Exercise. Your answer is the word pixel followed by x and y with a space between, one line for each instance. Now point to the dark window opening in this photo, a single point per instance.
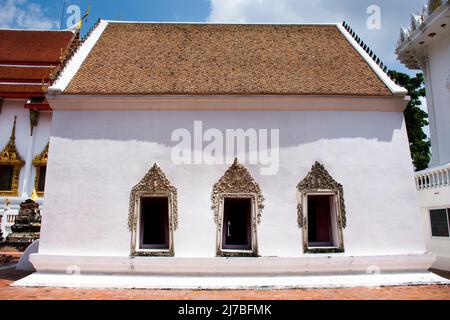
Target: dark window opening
pixel 439 222
pixel 236 233
pixel 319 221
pixel 41 178
pixel 154 233
pixel 6 177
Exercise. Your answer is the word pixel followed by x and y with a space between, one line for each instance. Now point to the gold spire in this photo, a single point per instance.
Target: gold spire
pixel 10 150
pixel 13 131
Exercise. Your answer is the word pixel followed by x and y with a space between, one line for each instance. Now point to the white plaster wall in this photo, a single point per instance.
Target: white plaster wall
pixel 98 156
pixel 439 56
pixel 10 109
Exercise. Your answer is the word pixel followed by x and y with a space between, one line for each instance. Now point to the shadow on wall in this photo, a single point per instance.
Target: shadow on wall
pixel 295 127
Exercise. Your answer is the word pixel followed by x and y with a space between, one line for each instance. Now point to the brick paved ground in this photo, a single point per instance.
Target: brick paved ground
pixel 414 292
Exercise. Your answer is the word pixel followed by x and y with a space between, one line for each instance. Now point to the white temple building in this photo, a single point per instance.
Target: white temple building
pixel 426 46
pixel 228 155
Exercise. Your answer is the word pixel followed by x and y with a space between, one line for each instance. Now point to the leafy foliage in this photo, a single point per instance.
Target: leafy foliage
pixel 434 4
pixel 415 118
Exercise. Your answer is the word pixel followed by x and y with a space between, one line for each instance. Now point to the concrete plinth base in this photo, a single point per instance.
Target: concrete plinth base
pixel 208 282
pixel 314 264
pixel 309 271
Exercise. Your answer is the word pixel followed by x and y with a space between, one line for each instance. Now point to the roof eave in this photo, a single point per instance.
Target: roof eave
pixel 274 102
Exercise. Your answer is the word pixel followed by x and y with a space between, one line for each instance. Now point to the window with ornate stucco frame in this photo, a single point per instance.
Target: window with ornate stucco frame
pixel 40 164
pixel 318 182
pixel 154 184
pixel 10 158
pixel 237 183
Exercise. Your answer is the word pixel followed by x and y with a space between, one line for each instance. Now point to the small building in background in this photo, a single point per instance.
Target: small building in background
pixel 28 59
pixel 425 45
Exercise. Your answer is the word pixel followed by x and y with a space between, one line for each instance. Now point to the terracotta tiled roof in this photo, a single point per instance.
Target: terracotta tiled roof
pixel 211 59
pixel 33 46
pixel 24 73
pixel 35 90
pixel 27 58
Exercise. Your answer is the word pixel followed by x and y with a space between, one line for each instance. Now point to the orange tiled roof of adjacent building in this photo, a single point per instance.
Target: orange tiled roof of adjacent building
pixel 27 58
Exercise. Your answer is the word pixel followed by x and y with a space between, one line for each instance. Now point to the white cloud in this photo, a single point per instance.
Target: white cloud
pixel 253 11
pixel 281 11
pixel 393 14
pixel 24 15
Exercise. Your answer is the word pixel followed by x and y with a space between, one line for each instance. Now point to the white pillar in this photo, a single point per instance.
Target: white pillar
pixel 27 187
pixel 435 159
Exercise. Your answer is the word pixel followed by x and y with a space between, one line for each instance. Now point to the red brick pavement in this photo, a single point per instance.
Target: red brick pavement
pixel 433 292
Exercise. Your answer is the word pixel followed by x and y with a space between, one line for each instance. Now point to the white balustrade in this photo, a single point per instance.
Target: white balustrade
pixel 436 177
pixel 7 219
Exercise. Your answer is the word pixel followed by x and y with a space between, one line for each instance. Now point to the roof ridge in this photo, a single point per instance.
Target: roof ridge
pixel 73 49
pixel 221 23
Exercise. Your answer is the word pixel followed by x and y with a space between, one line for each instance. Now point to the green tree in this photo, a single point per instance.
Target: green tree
pixel 415 118
pixel 434 4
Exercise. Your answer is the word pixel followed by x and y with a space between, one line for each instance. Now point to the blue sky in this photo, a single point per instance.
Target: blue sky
pixel 45 14
pixel 145 10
